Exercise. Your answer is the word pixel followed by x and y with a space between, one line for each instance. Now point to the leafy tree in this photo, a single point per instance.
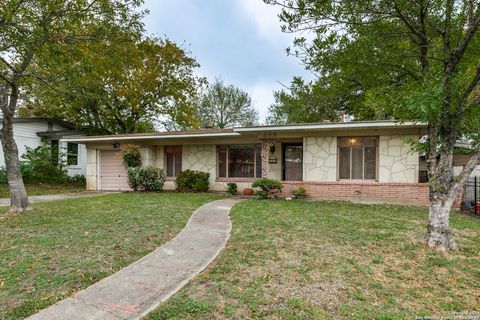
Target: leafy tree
pixel 139 81
pixel 30 32
pixel 303 103
pixel 411 60
pixel 224 106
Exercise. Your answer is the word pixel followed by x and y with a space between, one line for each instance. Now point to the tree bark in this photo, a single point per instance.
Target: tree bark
pixel 18 194
pixel 444 190
pixel 439 234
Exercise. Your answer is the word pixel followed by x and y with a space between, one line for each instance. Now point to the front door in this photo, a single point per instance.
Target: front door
pixel 292 162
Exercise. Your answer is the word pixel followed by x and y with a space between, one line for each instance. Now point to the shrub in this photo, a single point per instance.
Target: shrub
pixel 77 179
pixel 27 171
pixel 232 188
pixel 40 167
pixel 269 188
pixel 299 193
pixel 192 181
pixel 132 156
pixel 133 177
pixel 260 194
pixel 147 178
pixel 151 178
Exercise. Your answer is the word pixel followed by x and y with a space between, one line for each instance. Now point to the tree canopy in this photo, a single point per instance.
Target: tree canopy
pixel 305 102
pixel 120 85
pixel 225 106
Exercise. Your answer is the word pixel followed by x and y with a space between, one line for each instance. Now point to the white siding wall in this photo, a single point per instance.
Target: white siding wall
pixel 80 168
pixel 25 134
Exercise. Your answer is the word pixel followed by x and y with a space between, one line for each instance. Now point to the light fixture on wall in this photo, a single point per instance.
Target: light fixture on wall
pixel 353 141
pixel 115 145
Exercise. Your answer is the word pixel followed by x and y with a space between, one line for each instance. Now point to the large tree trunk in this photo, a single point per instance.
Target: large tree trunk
pixel 444 190
pixel 439 234
pixel 18 194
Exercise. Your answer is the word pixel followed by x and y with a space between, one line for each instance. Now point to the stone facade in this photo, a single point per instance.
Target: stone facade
pixel 397 162
pixel 398 170
pixel 320 158
pixel 201 158
pixel 159 157
pixel 275 169
pixel 148 155
pixel 91 169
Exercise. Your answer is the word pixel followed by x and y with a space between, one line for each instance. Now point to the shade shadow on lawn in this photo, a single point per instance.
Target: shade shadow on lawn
pixel 64 246
pixel 332 260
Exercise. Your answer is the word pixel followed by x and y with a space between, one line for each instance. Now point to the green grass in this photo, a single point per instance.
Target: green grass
pixel 64 246
pixel 36 189
pixel 332 260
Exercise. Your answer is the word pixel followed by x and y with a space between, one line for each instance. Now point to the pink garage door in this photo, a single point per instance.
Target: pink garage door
pixel 113 175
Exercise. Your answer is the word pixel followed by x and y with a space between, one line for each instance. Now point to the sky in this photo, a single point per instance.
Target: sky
pixel 239 41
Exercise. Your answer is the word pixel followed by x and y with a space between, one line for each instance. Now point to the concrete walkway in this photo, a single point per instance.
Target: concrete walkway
pixel 134 291
pixel 52 197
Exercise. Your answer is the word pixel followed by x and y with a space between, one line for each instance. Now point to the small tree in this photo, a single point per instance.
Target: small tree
pixel 226 106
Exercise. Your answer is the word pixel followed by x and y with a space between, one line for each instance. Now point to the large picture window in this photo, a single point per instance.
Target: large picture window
pixel 173 160
pixel 357 158
pixel 239 161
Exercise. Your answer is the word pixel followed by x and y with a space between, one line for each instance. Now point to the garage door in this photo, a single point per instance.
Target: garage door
pixel 113 175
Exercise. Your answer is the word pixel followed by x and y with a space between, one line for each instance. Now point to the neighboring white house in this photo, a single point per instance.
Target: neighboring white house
pixel 35 132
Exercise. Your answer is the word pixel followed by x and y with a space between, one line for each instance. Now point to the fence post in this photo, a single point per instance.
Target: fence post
pixel 475 194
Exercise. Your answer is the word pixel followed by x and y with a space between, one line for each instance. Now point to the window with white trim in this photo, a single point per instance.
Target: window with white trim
pixel 72 154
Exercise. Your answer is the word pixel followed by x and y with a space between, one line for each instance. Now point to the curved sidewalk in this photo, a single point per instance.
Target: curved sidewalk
pixel 137 289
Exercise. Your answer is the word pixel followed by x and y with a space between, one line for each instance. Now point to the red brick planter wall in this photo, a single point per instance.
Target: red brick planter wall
pixel 365 191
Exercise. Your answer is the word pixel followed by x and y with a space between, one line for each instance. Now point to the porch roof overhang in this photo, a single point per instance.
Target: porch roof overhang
pixel 332 126
pixel 291 130
pixel 146 137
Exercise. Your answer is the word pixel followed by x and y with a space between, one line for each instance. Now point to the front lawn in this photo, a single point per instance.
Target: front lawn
pixel 332 260
pixel 64 246
pixel 36 189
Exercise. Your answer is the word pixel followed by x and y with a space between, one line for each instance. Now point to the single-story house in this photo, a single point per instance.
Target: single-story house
pixel 364 161
pixel 35 132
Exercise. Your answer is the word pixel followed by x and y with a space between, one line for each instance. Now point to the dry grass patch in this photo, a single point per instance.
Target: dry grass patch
pixel 332 260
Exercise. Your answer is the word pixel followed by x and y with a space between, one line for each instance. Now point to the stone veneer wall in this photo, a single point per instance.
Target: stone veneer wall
pixel 320 158
pixel 397 162
pixel 201 157
pixel 91 170
pixel 275 169
pixel 148 155
pixel 159 157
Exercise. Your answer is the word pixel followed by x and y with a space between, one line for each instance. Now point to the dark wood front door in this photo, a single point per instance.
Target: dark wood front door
pixel 292 162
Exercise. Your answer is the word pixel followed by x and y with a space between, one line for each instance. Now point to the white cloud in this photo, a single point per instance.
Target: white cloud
pixel 262 97
pixel 265 17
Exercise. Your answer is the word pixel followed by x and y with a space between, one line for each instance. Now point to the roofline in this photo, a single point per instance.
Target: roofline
pixel 326 125
pixel 41 119
pixel 149 137
pixel 239 131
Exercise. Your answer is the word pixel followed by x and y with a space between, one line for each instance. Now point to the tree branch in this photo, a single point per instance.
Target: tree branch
pixel 457 54
pixel 466 172
pixel 468 91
